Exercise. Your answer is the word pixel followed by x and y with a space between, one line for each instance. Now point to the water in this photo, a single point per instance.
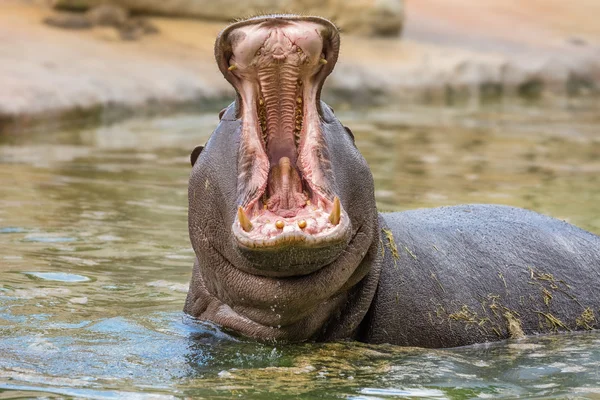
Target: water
pixel 95 261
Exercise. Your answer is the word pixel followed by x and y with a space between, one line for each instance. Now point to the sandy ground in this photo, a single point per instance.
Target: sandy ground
pixel 452 50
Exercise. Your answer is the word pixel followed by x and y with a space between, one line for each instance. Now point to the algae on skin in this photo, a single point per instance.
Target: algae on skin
pixel 494 306
pixel 470 318
pixel 549 285
pixel 410 252
pixel 513 324
pixel 587 319
pixel 547 296
pixel 464 314
pixel 501 276
pixel 391 244
pixel 553 321
pixel 435 278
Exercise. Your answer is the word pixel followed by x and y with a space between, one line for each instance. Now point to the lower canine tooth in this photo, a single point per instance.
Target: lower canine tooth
pixel 334 217
pixel 244 220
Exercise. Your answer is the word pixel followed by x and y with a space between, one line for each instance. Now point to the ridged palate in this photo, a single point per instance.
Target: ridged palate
pixel 279 85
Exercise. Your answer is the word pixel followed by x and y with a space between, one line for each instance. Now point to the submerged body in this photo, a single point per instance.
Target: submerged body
pixel 290 245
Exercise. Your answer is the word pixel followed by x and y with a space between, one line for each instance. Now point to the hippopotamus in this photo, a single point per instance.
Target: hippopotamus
pixel 290 246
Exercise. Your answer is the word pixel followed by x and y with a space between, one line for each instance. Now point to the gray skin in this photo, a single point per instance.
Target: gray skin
pixel 440 277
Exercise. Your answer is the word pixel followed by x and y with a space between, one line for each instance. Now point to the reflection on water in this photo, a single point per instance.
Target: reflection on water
pixel 95 261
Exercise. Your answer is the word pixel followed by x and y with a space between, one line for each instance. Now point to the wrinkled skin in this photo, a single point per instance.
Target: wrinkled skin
pixel 290 246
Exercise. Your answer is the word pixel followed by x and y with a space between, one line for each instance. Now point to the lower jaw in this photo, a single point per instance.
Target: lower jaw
pixel 293 253
pixel 270 232
pixel 226 295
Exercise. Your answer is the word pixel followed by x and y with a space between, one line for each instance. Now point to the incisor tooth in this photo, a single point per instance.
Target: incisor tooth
pixel 232 67
pixel 244 220
pixel 323 61
pixel 334 217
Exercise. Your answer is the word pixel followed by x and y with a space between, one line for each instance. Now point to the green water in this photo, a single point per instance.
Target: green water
pixel 95 260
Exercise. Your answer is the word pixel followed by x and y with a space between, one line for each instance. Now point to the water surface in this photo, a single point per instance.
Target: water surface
pixel 95 260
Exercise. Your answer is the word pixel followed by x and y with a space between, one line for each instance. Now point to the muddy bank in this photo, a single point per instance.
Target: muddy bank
pixel 449 54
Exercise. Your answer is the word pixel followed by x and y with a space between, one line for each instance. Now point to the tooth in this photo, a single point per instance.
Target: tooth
pixel 334 217
pixel 232 67
pixel 302 224
pixel 279 224
pixel 244 221
pixel 323 61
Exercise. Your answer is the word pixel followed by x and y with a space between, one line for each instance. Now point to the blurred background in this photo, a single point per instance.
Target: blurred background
pixel 89 61
pixel 101 104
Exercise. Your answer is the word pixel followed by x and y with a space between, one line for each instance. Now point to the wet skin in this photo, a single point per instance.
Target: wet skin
pixel 290 245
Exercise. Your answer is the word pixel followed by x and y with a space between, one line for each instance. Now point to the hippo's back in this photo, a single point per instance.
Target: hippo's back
pixel 474 273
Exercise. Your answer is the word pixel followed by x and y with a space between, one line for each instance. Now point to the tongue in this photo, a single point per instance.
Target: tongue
pixel 285 189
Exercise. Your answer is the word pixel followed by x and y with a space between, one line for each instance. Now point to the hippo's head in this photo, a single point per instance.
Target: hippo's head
pixel 280 190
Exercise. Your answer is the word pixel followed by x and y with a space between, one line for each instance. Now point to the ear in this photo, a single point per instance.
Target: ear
pixel 349 133
pixel 195 153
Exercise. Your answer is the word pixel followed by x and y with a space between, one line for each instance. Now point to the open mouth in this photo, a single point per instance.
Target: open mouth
pixel 285 180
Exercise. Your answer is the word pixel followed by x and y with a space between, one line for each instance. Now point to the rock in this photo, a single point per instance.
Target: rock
pixel 363 17
pixel 104 15
pixel 107 15
pixel 68 20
